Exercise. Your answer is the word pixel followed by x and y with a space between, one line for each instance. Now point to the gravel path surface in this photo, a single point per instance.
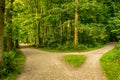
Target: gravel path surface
pixel 42 65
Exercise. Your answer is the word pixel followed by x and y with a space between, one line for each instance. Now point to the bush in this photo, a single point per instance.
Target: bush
pixel 110 63
pixel 117 51
pixel 13 63
pixel 82 47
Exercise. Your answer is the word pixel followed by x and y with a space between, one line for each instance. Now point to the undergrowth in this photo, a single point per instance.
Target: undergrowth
pixel 110 63
pixel 13 64
pixel 79 48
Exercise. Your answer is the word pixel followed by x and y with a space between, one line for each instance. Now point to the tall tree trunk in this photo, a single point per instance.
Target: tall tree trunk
pixel 45 34
pixel 61 32
pixel 16 40
pixel 10 43
pixel 76 24
pixel 17 43
pixel 68 32
pixel 37 25
pixel 2 7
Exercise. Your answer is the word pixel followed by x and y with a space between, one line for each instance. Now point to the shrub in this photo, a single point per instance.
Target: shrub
pixel 13 63
pixel 110 63
pixel 117 51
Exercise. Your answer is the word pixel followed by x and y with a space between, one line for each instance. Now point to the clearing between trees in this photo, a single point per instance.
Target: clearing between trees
pixel 41 65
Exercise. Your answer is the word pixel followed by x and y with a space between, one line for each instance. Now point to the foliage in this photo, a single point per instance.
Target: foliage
pixel 117 51
pixel 50 24
pixel 110 63
pixel 92 34
pixel 13 63
pixel 74 60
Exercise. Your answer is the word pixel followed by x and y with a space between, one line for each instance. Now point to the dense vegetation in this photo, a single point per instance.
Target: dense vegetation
pixel 62 24
pixel 111 63
pixel 13 64
pixel 74 60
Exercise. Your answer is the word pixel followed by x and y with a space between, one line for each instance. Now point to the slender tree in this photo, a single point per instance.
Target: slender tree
pixel 37 24
pixel 2 7
pixel 10 42
pixel 76 24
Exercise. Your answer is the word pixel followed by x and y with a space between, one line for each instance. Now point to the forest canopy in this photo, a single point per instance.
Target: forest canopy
pixel 62 24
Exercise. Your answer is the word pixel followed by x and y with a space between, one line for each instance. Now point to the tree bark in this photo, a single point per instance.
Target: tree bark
pixel 76 24
pixel 37 25
pixel 61 32
pixel 17 43
pixel 16 40
pixel 10 43
pixel 68 32
pixel 2 7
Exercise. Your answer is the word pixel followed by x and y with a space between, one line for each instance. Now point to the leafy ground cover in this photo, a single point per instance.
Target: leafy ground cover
pixel 71 50
pixel 110 63
pixel 13 64
pixel 74 60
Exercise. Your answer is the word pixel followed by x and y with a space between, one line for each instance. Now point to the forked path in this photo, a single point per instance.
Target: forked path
pixel 42 65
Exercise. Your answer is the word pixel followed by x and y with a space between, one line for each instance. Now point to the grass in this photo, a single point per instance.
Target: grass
pixel 64 51
pixel 111 64
pixel 13 64
pixel 74 60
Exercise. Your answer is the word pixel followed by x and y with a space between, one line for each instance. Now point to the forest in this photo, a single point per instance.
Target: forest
pixel 63 25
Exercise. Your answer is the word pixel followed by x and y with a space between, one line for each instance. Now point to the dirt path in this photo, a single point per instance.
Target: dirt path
pixel 42 65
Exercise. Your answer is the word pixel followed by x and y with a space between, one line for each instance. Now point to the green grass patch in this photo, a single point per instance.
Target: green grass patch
pixel 13 64
pixel 70 50
pixel 74 60
pixel 110 63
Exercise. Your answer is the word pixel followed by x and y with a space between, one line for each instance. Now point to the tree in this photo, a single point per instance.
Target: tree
pixel 37 23
pixel 10 43
pixel 64 24
pixel 2 7
pixel 76 24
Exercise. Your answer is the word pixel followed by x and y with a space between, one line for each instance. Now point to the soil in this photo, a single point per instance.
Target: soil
pixel 41 65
